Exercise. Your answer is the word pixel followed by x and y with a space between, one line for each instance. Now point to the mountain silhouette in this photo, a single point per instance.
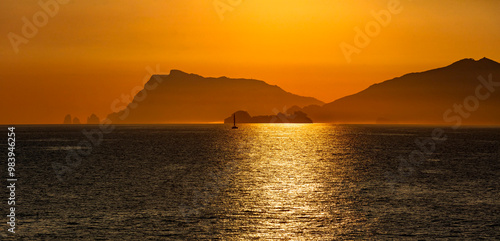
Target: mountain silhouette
pixel 448 95
pixel 465 92
pixel 183 98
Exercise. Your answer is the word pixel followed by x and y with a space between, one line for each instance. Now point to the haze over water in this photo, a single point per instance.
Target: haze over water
pixel 261 181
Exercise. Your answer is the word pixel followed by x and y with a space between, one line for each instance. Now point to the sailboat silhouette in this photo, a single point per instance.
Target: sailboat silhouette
pixel 234 121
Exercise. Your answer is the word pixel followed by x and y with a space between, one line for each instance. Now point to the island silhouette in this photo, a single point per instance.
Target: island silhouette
pixel 461 93
pixel 245 117
pixel 91 120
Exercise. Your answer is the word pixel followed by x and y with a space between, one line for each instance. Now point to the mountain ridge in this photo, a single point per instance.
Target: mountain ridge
pixel 180 97
pixel 444 86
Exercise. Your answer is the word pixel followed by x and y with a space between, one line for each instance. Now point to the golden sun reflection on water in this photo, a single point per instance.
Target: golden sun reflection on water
pixel 290 182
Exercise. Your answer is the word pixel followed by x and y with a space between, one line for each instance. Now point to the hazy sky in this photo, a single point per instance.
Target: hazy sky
pixel 91 52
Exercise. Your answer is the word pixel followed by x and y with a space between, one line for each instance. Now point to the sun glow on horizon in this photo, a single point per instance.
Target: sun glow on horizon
pixel 92 52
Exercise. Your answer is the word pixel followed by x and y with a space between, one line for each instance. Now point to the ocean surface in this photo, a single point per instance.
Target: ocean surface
pixel 264 181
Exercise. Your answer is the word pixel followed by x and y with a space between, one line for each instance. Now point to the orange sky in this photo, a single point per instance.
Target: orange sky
pixel 91 52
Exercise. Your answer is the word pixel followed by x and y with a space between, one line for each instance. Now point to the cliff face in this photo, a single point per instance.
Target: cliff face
pixel 185 98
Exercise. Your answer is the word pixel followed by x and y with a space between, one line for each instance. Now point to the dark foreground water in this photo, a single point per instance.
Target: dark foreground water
pixel 297 182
